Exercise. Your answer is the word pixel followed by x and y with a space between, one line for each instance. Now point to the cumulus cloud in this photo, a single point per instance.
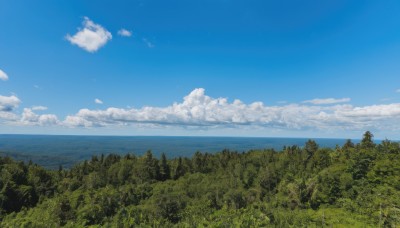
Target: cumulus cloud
pixel 31 118
pixel 148 43
pixel 8 116
pixel 91 37
pixel 98 101
pixel 125 33
pixel 319 101
pixel 200 110
pixel 3 75
pixel 8 104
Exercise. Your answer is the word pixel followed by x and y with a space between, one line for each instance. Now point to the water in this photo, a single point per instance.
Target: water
pixel 51 151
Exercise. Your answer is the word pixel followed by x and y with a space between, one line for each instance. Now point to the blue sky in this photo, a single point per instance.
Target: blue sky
pixel 320 69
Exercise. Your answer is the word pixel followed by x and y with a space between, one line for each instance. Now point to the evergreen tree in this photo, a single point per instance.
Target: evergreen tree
pixel 367 140
pixel 165 172
pixel 310 148
pixel 151 166
pixel 179 171
pixel 348 144
pixel 102 159
pixel 60 171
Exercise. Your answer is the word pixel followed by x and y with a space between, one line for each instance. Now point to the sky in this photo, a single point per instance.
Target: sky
pixel 263 68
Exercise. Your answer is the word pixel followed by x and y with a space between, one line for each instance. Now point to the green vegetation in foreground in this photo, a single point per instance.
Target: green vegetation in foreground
pixel 352 186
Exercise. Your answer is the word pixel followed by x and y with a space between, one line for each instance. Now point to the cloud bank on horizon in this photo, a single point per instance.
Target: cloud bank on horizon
pixel 197 110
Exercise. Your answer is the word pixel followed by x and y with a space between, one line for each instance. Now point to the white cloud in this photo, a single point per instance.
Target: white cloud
pixel 398 91
pixel 148 43
pixel 98 101
pixel 8 116
pixel 200 110
pixel 318 101
pixel 30 118
pixel 91 37
pixel 124 32
pixel 8 104
pixel 3 75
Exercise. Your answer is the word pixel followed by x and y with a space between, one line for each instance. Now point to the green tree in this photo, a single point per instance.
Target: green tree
pixel 348 144
pixel 151 166
pixel 165 172
pixel 310 148
pixel 367 140
pixel 179 171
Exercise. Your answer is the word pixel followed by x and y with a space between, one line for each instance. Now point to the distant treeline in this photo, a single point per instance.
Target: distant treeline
pixel 353 185
pixel 51 162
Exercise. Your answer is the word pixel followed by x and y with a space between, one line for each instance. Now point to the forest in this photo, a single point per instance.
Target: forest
pixel 352 185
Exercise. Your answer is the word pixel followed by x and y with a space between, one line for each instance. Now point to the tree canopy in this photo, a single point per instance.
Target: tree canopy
pixel 354 185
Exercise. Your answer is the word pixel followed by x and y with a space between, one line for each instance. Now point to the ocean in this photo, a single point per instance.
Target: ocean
pixel 54 150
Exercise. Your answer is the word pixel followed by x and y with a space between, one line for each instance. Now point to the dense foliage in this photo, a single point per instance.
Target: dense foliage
pixel 352 185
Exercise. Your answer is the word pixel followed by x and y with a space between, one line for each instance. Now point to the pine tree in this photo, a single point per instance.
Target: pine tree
pixel 310 149
pixel 348 144
pixel 179 171
pixel 152 167
pixel 367 141
pixel 165 172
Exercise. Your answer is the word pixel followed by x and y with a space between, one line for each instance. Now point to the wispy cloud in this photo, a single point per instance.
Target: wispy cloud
pixel 148 43
pixel 398 91
pixel 98 101
pixel 39 108
pixel 125 32
pixel 91 37
pixel 3 75
pixel 386 99
pixel 325 101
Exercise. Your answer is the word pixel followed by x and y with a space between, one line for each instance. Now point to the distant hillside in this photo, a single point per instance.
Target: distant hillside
pixel 50 151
